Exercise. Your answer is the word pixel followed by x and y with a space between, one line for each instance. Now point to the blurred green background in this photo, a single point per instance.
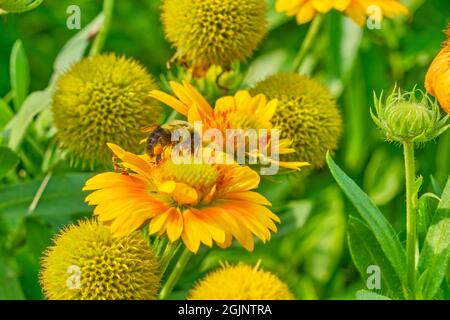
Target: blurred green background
pixel 309 252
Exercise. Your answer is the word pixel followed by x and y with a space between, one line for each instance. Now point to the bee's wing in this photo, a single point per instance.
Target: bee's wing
pixel 175 124
pixel 150 128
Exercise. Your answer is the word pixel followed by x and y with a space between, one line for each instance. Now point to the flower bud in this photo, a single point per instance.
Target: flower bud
pixel 18 6
pixel 409 117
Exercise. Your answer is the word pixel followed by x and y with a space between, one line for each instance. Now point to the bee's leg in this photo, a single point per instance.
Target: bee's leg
pixel 115 162
pixel 118 167
pixel 158 158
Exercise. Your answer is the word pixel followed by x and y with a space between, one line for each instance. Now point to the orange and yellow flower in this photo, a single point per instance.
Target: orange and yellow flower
pixel 305 10
pixel 437 80
pixel 240 111
pixel 201 203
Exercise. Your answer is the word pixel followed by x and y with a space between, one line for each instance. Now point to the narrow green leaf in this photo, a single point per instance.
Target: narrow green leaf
pixel 369 295
pixel 378 224
pixel 33 105
pixel 38 101
pixel 8 160
pixel 434 258
pixel 74 49
pixel 19 72
pixel 366 252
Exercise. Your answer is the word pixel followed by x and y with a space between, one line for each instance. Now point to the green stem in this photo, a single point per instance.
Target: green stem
pixel 307 42
pixel 175 274
pixel 99 42
pixel 411 223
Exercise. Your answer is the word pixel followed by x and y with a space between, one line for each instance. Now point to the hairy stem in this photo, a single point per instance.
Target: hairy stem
pixel 411 205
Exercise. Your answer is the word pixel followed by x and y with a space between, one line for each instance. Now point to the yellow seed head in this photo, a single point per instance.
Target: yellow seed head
pixel 103 99
pixel 240 282
pixel 307 114
pixel 214 32
pixel 87 263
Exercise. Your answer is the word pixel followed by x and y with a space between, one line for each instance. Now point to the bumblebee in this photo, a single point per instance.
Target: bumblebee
pixel 160 137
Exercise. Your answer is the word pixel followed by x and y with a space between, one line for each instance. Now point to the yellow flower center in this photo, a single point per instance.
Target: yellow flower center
pixel 187 184
pixel 241 120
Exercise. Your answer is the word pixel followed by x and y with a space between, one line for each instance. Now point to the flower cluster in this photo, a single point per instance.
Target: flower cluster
pixel 149 203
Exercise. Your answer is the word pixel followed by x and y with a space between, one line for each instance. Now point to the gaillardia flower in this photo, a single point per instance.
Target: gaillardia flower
pixel 409 117
pixel 241 111
pixel 213 32
pixel 17 6
pixel 87 263
pixel 305 10
pixel 201 203
pixel 100 99
pixel 307 115
pixel 240 282
pixel 437 80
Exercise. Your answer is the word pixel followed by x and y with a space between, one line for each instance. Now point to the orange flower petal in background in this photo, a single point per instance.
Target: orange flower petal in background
pixel 437 81
pixel 305 10
pixel 199 203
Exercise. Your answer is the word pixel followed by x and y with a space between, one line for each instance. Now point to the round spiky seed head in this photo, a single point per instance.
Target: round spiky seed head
pixel 17 6
pixel 409 117
pixel 307 114
pixel 214 32
pixel 240 282
pixel 87 263
pixel 103 99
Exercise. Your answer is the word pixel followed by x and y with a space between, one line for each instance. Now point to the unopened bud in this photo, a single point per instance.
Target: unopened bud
pixel 409 117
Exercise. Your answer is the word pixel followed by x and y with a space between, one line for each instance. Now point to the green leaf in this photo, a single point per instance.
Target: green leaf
pixel 38 236
pixel 378 224
pixel 383 177
pixel 8 160
pixel 10 288
pixel 296 216
pixel 18 6
pixel 366 251
pixel 29 275
pixel 39 101
pixel 74 49
pixel 6 114
pixel 20 76
pixel 369 295
pixel 33 105
pixel 434 258
pixel 61 201
pixel 428 203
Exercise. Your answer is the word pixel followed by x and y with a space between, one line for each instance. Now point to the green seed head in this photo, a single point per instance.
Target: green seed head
pixel 307 114
pixel 103 99
pixel 87 263
pixel 409 117
pixel 214 32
